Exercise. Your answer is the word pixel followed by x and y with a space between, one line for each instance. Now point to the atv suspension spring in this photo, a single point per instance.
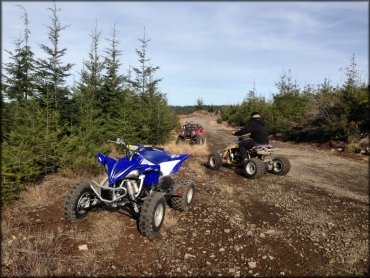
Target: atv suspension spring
pixel 131 193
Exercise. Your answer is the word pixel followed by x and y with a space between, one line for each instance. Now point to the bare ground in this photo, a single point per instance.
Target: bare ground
pixel 312 222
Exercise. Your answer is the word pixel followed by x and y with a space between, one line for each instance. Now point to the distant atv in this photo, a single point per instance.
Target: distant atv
pixel 257 163
pixel 193 132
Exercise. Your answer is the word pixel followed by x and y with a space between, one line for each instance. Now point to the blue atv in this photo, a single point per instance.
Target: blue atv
pixel 140 181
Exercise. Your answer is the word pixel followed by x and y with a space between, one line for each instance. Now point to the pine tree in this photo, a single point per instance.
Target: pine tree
pixel 112 80
pixel 52 72
pixel 354 103
pixel 114 98
pixel 55 109
pixel 90 89
pixel 289 105
pixel 146 89
pixel 20 132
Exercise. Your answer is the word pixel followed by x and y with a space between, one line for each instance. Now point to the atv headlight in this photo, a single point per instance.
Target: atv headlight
pixel 133 174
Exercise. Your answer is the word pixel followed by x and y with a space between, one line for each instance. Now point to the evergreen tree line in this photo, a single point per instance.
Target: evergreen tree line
pixel 315 114
pixel 47 125
pixel 188 109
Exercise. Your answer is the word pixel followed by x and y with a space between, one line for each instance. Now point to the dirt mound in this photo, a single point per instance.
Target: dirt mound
pixel 199 114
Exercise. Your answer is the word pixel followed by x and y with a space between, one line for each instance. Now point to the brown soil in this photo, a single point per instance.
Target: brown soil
pixel 311 222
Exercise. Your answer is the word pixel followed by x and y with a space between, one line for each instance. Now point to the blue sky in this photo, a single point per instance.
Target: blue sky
pixel 216 51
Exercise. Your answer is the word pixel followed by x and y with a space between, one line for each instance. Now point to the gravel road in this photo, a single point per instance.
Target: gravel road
pixel 312 222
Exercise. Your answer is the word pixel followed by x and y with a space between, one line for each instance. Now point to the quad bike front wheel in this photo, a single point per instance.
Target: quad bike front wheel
pixel 152 214
pixel 79 200
pixel 280 165
pixel 253 168
pixel 199 140
pixel 179 140
pixel 183 195
pixel 214 161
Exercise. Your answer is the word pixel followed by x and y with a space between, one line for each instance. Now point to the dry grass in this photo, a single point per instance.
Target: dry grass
pixel 49 191
pixel 32 254
pixel 197 168
pixel 106 227
pixel 196 150
pixel 224 188
pixel 171 219
pixel 38 251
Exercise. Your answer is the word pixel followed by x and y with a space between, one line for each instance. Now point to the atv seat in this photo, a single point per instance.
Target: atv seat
pixel 156 156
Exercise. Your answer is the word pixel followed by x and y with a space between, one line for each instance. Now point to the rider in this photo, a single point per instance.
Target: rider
pixel 258 131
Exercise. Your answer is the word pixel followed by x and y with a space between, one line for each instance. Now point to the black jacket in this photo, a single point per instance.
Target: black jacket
pixel 257 128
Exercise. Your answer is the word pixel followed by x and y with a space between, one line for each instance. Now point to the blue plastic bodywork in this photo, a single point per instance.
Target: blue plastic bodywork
pixel 147 162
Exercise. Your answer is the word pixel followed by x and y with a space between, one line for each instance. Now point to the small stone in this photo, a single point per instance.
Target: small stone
pixel 227 231
pixel 270 232
pixel 83 247
pixel 252 265
pixel 262 235
pixel 178 269
pixel 221 249
pixel 232 270
pixel 113 267
pixel 282 273
pixel 264 257
pixel 187 256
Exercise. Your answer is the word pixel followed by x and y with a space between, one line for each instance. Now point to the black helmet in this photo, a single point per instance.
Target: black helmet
pixel 255 115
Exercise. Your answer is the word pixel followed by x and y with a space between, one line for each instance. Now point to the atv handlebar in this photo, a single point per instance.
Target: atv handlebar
pixel 117 141
pixel 132 148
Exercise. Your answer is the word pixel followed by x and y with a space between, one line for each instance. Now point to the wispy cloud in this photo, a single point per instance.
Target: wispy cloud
pixel 213 50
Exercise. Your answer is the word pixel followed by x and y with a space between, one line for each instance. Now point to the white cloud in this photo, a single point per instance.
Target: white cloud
pixel 215 48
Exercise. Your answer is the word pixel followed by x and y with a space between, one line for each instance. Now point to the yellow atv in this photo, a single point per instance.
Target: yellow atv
pixel 256 164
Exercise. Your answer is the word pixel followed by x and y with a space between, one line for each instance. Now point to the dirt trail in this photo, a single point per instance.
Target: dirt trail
pixel 318 168
pixel 311 222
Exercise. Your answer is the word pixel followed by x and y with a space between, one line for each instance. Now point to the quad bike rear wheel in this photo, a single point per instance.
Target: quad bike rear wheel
pixel 280 165
pixel 152 214
pixel 78 202
pixel 253 168
pixel 214 161
pixel 183 195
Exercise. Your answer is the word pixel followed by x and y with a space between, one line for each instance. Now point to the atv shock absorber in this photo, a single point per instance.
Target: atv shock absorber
pixel 131 193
